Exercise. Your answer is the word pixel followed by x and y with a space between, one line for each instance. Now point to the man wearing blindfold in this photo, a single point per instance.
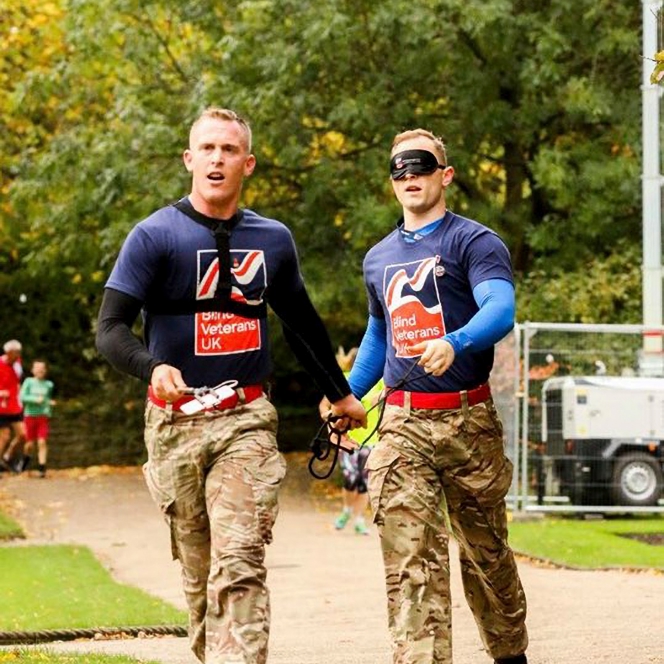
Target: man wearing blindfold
pixel 441 294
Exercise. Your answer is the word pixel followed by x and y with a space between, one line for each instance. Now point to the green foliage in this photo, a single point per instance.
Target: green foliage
pixel 65 587
pixel 32 45
pixel 551 161
pixel 50 314
pixel 602 289
pixel 92 429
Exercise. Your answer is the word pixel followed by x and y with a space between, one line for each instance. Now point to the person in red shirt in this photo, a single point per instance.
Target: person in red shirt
pixel 11 409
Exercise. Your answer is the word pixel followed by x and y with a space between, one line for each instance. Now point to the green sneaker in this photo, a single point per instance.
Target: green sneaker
pixel 341 520
pixel 361 529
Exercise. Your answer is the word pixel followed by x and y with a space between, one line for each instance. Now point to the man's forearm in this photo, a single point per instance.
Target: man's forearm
pixel 307 336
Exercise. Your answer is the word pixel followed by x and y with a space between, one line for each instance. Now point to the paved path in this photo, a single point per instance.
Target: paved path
pixel 327 586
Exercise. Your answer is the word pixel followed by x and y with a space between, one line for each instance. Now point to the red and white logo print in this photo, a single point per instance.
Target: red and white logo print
pixel 221 333
pixel 413 304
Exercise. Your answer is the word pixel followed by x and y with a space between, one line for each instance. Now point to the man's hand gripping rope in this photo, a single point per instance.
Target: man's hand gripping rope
pixel 345 414
pixel 329 439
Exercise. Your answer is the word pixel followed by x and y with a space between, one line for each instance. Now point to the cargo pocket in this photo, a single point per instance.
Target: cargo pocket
pixel 496 492
pixel 159 480
pixel 487 475
pixel 267 475
pixel 380 462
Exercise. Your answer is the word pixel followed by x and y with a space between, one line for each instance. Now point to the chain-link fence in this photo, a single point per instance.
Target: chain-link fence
pixel 583 411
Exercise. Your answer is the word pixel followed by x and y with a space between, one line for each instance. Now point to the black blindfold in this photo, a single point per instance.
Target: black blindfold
pixel 415 162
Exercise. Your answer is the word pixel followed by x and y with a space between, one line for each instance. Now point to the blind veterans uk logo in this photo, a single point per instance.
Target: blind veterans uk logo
pixel 221 333
pixel 413 303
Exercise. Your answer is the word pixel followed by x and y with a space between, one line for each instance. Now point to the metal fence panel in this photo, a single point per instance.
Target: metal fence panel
pixel 505 381
pixel 583 411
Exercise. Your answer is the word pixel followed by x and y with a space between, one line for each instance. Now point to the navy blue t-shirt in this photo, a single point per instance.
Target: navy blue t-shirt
pixel 423 290
pixel 169 256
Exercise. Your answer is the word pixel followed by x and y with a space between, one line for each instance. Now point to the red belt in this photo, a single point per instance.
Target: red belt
pixel 440 400
pixel 242 395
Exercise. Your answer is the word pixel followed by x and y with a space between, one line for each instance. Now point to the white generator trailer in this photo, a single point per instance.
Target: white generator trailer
pixel 605 437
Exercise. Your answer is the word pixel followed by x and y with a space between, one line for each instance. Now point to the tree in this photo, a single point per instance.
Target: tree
pixel 610 292
pixel 31 43
pixel 536 104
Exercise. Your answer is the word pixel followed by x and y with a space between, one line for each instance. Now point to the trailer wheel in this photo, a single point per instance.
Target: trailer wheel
pixel 637 480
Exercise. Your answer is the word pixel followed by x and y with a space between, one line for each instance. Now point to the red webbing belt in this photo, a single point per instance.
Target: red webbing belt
pixel 440 400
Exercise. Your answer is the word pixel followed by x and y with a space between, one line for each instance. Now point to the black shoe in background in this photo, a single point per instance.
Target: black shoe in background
pixel 23 463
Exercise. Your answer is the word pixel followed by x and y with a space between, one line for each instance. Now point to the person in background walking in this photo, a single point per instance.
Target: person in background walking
pixel 37 397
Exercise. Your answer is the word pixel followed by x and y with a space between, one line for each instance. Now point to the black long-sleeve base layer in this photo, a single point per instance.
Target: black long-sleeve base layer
pixel 303 330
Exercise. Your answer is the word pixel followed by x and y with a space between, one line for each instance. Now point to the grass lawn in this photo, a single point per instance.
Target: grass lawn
pixel 636 542
pixel 65 587
pixel 9 529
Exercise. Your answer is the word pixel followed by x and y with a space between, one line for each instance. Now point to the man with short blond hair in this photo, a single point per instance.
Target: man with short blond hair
pixel 203 272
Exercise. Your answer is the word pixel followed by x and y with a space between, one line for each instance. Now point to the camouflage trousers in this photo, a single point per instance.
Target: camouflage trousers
pixel 215 475
pixel 432 471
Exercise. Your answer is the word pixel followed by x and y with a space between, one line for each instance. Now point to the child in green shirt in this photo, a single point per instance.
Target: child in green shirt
pixel 37 398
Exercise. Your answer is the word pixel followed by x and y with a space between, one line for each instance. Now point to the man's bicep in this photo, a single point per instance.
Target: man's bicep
pixel 487 257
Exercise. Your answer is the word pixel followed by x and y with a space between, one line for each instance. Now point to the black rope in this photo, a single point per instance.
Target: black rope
pixel 323 443
pixel 47 635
